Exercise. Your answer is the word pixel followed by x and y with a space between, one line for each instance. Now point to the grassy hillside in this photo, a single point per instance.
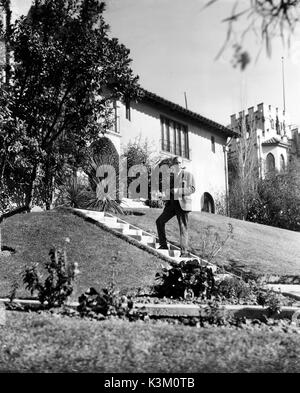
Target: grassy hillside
pixel 97 252
pixel 258 248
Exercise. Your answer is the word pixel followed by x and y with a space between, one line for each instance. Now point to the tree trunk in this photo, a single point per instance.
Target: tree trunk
pixel 30 190
pixel 7 10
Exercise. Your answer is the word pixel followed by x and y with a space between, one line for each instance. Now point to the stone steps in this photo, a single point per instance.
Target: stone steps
pixel 150 242
pixel 131 204
pixel 146 239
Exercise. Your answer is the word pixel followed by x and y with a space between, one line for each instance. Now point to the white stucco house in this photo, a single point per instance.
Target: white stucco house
pixel 170 130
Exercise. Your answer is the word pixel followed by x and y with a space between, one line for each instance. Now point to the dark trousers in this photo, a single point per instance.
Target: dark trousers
pixel 172 209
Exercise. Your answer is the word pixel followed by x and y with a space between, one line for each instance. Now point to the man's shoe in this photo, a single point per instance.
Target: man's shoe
pixel 163 248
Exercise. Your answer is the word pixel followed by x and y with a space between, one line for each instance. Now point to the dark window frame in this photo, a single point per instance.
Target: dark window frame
pixel 213 144
pixel 128 110
pixel 179 132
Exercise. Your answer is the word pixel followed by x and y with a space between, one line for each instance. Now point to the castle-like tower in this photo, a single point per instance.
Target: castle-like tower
pixel 271 132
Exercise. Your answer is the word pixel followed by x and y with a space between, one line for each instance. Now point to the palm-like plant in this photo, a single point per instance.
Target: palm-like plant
pixel 72 194
pixel 96 198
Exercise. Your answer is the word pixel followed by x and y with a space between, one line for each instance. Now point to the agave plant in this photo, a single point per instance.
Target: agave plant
pixel 72 194
pixel 103 201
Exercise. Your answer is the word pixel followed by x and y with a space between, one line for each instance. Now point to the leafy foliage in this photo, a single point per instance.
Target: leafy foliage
pixel 221 204
pixel 267 18
pixel 107 303
pixel 139 152
pixel 58 285
pixel 214 314
pixel 277 202
pixel 72 194
pixel 186 280
pixel 237 289
pixel 269 299
pixel 243 168
pixel 60 102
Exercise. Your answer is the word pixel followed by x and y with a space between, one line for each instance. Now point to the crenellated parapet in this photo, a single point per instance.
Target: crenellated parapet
pixel 270 120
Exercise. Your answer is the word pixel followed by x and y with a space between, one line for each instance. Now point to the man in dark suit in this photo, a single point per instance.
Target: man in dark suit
pixel 182 186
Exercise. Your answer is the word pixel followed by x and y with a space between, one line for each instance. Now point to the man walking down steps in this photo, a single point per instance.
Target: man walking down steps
pixel 179 205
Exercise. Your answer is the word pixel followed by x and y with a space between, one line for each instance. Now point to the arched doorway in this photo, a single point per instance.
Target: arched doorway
pixel 270 163
pixel 207 203
pixel 282 163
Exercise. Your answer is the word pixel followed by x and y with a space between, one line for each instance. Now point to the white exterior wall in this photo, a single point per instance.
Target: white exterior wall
pixel 144 124
pixel 207 167
pixel 277 152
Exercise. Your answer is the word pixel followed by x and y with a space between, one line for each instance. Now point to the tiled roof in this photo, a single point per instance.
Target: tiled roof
pixel 192 115
pixel 273 141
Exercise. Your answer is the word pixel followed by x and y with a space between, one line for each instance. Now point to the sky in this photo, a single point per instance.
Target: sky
pixel 173 46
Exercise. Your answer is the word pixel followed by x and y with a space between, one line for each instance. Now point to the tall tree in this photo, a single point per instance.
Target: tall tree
pixel 277 201
pixel 66 73
pixel 5 7
pixel 243 167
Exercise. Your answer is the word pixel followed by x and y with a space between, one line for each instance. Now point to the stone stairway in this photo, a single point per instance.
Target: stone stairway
pixel 146 239
pixel 128 203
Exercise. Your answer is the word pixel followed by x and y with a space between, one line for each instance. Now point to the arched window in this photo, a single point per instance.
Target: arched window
pixel 270 163
pixel 207 203
pixel 282 163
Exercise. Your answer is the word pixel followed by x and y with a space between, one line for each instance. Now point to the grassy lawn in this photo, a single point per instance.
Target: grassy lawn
pixel 32 342
pixel 257 248
pixel 32 235
pixel 40 343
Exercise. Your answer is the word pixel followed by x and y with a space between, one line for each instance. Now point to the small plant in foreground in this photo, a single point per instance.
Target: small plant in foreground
pixel 189 278
pixel 13 291
pixel 58 285
pixel 236 289
pixel 212 243
pixel 107 303
pixel 270 299
pixel 213 314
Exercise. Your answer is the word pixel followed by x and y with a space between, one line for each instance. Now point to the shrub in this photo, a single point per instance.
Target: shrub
pixel 236 289
pixel 213 314
pixel 105 203
pixel 58 285
pixel 186 280
pixel 270 299
pixel 137 153
pixel 72 194
pixel 156 201
pixel 211 243
pixel 107 303
pixel 278 202
pixel 221 204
